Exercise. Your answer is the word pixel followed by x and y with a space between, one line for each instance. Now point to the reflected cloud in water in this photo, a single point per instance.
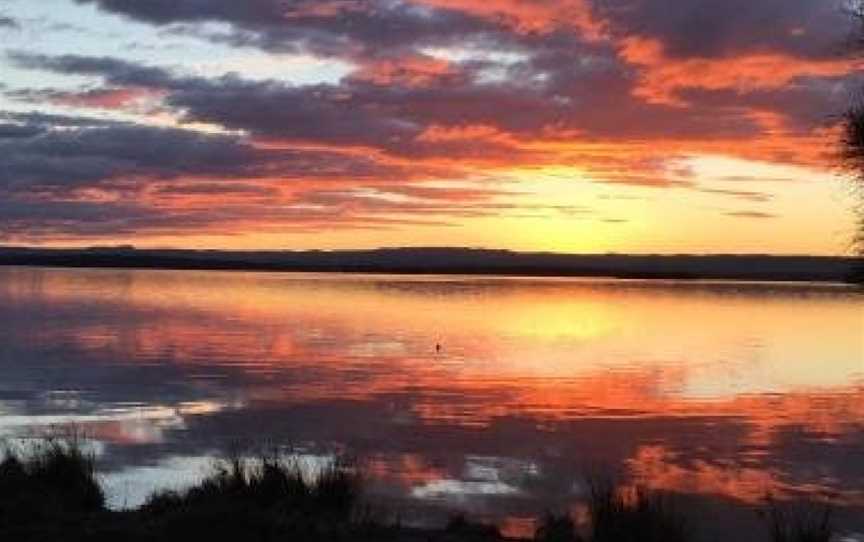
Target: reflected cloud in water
pixel 491 395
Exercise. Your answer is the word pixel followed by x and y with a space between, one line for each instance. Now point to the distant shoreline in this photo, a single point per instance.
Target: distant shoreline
pixel 457 261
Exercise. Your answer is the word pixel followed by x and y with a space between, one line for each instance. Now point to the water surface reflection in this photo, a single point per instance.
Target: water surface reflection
pixel 719 391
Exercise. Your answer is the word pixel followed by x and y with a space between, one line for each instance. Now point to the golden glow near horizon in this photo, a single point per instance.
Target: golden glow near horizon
pixel 805 217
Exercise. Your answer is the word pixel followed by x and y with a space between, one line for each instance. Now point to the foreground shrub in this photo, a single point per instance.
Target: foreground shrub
pixel 460 526
pixel 56 480
pixel 636 515
pixel 555 528
pixel 51 493
pixel 265 499
pixel 799 523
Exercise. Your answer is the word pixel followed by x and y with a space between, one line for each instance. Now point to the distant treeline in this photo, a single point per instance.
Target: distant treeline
pixel 457 261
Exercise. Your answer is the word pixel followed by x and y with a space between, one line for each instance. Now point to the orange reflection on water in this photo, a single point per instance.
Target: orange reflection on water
pixel 654 467
pixel 486 362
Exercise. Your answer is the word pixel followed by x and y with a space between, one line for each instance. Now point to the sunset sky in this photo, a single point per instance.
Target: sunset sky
pixel 661 126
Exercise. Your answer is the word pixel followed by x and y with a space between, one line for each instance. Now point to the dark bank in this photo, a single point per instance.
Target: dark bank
pixel 456 261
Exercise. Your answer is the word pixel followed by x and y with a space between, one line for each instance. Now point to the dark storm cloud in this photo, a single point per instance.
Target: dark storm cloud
pixel 566 83
pixel 87 155
pixel 15 131
pixel 805 103
pixel 45 121
pixel 323 113
pixel 719 28
pixel 327 27
pixel 219 189
pixel 556 88
pixel 393 117
pixel 113 70
pixel 58 154
pixel 8 22
pixel 266 108
pixel 703 28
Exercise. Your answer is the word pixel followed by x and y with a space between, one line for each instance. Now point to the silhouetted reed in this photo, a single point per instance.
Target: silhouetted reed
pixel 556 528
pixel 799 523
pixel 51 488
pixel 466 530
pixel 273 481
pixel 56 470
pixel 52 492
pixel 632 515
pixel 265 498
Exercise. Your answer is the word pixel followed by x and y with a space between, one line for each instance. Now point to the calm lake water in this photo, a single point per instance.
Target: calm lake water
pixel 490 395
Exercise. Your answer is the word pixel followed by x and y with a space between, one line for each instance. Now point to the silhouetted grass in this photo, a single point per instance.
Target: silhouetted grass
pixel 52 493
pixel 618 514
pixel 801 523
pixel 51 488
pixel 264 499
pixel 466 530
pixel 635 515
pixel 556 528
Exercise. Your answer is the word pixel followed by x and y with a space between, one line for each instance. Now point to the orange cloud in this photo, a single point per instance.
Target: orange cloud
pixel 111 98
pixel 661 76
pixel 437 133
pixel 412 70
pixel 534 16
